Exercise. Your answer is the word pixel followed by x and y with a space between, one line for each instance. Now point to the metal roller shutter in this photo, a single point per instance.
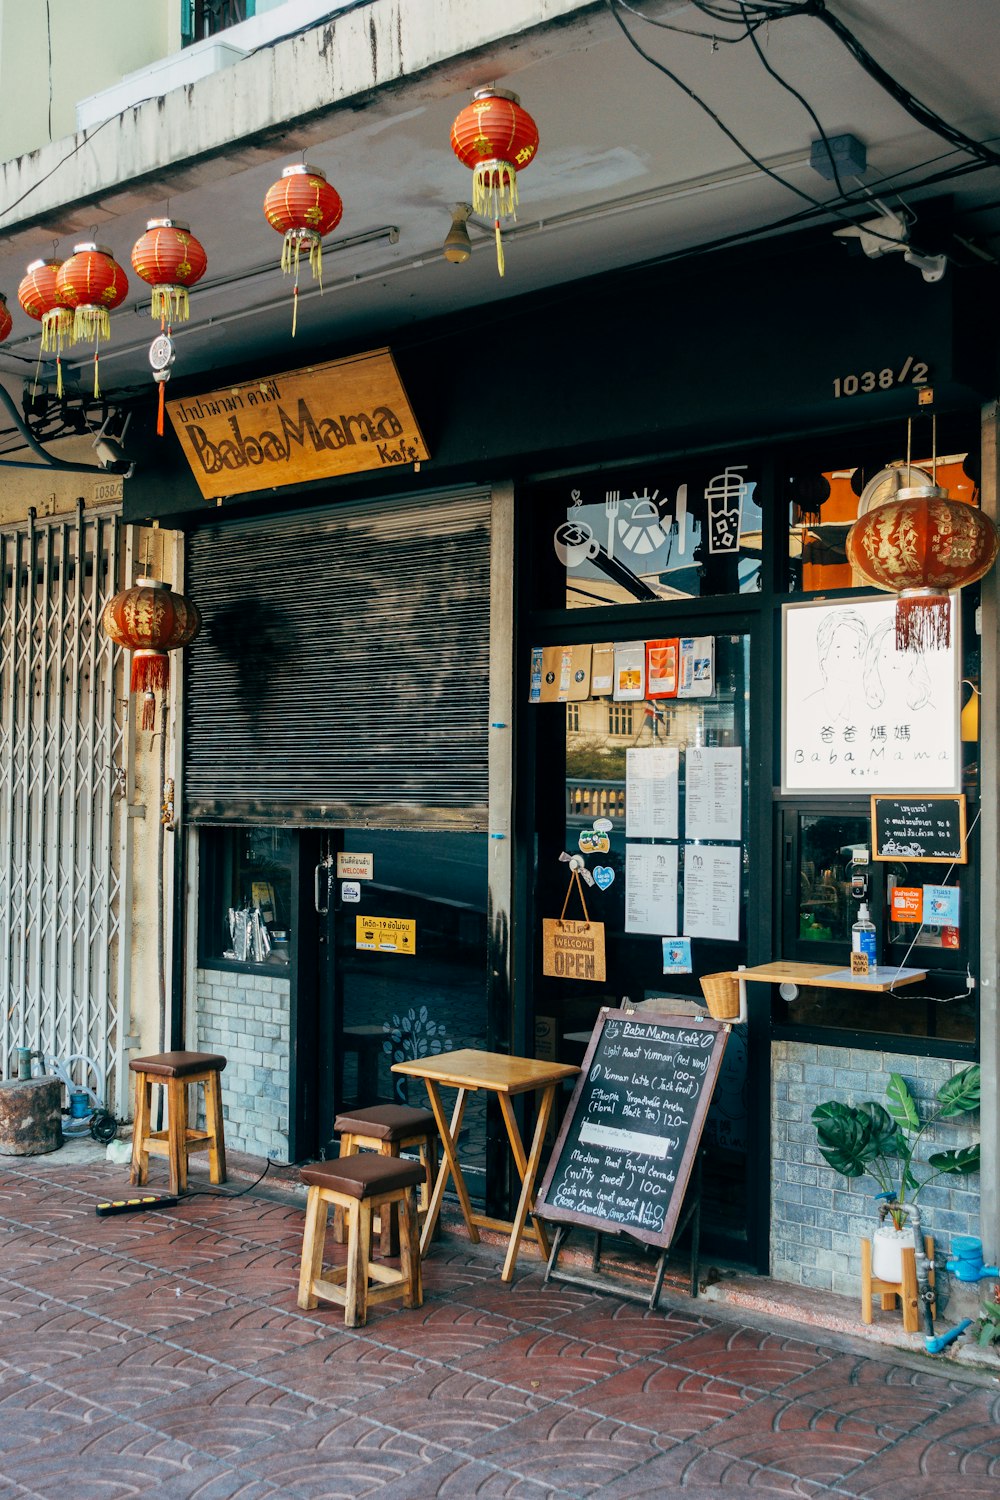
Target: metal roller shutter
pixel 342 673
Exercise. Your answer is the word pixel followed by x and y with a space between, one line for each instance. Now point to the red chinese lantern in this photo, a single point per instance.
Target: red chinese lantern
pixel 496 138
pixel 149 620
pixel 92 283
pixel 303 207
pixel 40 299
pixel 170 259
pixel 6 321
pixel 919 545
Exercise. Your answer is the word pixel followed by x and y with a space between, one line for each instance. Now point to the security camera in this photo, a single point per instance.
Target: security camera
pixel 110 453
pixel 111 456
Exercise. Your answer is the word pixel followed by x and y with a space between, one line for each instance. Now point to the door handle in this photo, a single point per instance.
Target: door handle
pixel 788 865
pixel 321 899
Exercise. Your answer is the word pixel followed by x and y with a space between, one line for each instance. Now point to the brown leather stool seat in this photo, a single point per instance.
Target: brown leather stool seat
pixel 390 1129
pixel 401 1123
pixel 358 1186
pixel 176 1071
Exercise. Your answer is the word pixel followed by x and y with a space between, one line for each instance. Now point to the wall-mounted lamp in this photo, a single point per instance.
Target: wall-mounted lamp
pixel 969 719
pixel 457 245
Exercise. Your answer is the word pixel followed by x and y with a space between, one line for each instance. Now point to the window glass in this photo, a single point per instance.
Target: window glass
pixel 670 531
pixel 246 882
pixel 824 502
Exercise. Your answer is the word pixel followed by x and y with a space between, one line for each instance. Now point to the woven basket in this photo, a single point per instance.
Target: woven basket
pixel 722 995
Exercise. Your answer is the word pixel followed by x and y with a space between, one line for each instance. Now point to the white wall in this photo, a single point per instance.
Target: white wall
pixel 91 44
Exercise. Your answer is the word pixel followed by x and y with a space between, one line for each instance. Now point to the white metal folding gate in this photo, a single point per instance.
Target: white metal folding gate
pixel 61 808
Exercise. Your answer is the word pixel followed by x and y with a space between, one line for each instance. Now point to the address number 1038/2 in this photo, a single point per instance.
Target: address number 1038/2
pixel 911 372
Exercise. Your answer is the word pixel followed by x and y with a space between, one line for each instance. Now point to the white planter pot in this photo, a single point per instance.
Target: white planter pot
pixel 888 1244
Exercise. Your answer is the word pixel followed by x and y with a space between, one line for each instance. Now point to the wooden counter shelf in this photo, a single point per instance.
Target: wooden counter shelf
pixel 830 976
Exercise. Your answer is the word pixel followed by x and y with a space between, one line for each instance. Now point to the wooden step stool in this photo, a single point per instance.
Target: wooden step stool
pixel 360 1186
pixel 390 1129
pixel 174 1071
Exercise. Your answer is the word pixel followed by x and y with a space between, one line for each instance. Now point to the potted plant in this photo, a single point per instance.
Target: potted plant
pixel 882 1140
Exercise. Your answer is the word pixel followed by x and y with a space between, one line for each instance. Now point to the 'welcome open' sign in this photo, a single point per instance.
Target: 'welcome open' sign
pixel 317 423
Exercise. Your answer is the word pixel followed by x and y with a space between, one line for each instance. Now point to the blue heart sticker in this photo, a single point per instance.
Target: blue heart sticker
pixel 603 875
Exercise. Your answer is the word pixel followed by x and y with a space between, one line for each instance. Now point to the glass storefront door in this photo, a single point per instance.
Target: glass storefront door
pixel 404 971
pixel 656 800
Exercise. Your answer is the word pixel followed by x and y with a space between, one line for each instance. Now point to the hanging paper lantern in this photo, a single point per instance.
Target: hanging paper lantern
pixel 303 207
pixel 919 545
pixel 92 283
pixel 170 259
pixel 496 138
pixel 6 321
pixel 149 620
pixel 40 299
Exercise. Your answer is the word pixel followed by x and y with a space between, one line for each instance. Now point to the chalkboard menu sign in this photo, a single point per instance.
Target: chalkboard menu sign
pixel 921 830
pixel 630 1135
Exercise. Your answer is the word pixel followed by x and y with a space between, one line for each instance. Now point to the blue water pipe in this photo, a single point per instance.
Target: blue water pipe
pixel 966 1259
pixel 935 1345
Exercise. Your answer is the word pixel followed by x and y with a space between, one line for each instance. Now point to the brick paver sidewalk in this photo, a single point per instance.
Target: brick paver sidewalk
pixel 163 1354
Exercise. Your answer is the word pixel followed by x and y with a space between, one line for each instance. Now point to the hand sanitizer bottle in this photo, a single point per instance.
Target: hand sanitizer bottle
pixel 863 936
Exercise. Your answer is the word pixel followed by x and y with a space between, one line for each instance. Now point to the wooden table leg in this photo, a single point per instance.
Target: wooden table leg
pixel 449 1165
pixel 528 1170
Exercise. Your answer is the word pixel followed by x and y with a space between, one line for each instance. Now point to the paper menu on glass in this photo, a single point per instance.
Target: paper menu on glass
pixel 630 671
pixel 651 889
pixel 602 671
pixel 712 887
pixel 696 666
pixel 713 785
pixel 651 785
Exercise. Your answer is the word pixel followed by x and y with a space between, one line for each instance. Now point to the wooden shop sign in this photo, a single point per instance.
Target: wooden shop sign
pixel 343 417
pixel 573 950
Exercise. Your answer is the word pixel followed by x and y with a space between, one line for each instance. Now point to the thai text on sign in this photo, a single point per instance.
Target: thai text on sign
pixel 386 934
pixel 343 417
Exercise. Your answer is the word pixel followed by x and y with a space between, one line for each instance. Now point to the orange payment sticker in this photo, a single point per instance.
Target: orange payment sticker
pixel 908 903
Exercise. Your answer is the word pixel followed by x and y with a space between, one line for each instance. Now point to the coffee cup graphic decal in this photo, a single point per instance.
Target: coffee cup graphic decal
pixel 575 542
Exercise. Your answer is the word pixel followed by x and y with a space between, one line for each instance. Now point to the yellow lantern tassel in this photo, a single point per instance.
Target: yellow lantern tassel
pixel 97 383
pixel 499 247
pixel 316 262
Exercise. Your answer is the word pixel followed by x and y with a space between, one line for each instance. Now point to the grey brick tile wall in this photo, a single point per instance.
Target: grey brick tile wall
pixel 246 1018
pixel 818 1218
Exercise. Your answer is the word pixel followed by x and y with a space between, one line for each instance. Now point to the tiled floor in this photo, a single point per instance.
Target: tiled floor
pixel 163 1354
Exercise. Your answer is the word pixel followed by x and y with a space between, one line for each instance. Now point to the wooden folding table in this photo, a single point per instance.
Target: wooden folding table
pixel 468 1071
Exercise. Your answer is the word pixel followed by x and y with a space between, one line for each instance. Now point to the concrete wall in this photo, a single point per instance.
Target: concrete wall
pixel 818 1218
pixel 91 44
pixel 246 1018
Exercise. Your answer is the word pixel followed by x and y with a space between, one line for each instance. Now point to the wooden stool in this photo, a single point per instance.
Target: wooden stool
pixel 359 1187
pixel 390 1129
pixel 906 1290
pixel 174 1071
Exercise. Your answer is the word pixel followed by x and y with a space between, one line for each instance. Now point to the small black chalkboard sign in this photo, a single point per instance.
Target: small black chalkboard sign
pixel 629 1138
pixel 919 830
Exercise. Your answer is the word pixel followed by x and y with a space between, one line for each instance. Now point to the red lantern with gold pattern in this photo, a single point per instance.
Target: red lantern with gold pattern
pixel 170 259
pixel 40 299
pixel 496 138
pixel 919 545
pixel 6 321
pixel 303 207
pixel 92 283
pixel 149 620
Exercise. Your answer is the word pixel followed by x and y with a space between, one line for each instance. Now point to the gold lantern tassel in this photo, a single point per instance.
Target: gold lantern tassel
pixel 499 248
pixel 88 320
pixel 97 361
pixel 316 261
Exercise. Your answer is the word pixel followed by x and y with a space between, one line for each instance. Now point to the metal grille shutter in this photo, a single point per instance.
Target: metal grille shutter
pixel 342 674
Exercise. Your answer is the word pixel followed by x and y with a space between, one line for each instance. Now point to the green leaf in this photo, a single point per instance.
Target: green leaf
pixel 884 1136
pixel 965 1160
pixel 901 1105
pixel 960 1094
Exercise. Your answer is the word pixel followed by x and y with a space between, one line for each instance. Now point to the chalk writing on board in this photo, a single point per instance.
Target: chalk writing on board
pixel 628 1141
pixel 925 829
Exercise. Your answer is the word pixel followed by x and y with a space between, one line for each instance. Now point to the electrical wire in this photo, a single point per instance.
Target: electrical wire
pixel 920 112
pixel 816 203
pixel 751 35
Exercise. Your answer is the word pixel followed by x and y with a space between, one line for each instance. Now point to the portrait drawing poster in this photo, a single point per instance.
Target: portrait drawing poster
pixel 858 715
